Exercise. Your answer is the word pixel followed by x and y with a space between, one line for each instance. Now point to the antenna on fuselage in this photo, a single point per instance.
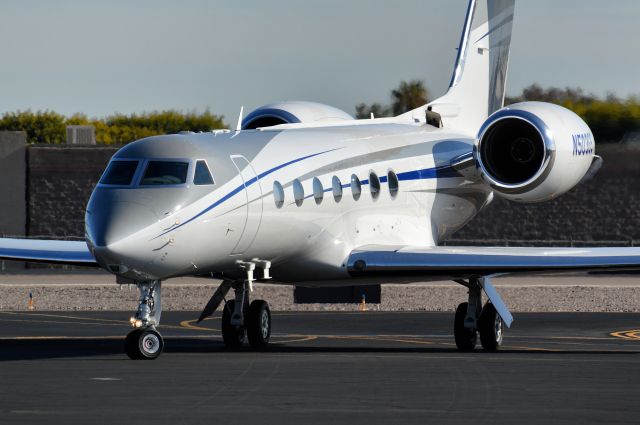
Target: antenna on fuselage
pixel 239 125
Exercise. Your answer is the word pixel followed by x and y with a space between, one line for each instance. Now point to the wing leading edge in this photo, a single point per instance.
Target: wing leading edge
pixel 47 251
pixel 463 262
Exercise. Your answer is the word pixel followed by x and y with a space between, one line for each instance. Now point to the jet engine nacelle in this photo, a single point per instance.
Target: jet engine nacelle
pixel 533 151
pixel 292 112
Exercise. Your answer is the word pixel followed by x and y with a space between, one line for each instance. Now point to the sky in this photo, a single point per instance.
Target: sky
pixel 102 57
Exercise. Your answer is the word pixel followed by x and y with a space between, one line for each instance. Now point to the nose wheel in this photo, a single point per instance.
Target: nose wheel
pixel 143 344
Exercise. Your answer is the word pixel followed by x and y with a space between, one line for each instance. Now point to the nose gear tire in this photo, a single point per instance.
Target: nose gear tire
pixel 143 344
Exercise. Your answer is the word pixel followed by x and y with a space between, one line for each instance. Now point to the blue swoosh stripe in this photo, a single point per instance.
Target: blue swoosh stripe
pixel 243 186
pixel 426 173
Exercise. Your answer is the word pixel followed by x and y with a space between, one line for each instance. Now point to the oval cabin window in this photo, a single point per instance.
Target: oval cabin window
pixel 336 186
pixel 318 190
pixel 393 184
pixel 298 192
pixel 374 185
pixel 356 187
pixel 278 194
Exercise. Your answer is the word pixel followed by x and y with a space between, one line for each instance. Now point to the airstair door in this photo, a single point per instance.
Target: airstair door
pixel 253 206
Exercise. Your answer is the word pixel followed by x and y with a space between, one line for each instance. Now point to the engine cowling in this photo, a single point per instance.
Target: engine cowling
pixel 292 112
pixel 533 151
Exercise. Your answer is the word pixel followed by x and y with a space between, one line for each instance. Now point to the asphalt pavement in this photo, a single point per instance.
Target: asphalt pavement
pixel 323 367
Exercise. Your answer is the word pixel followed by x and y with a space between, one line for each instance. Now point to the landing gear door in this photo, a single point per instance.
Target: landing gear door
pixel 253 206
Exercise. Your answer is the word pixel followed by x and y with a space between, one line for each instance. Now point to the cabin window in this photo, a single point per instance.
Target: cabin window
pixel 336 185
pixel 160 173
pixel 120 173
pixel 356 187
pixel 393 184
pixel 374 185
pixel 202 175
pixel 318 190
pixel 278 194
pixel 298 192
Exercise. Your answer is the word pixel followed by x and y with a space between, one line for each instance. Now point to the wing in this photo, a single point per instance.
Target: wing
pixel 47 251
pixel 465 262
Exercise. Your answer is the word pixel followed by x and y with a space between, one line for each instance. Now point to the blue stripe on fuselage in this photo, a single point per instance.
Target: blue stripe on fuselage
pixel 243 186
pixel 427 173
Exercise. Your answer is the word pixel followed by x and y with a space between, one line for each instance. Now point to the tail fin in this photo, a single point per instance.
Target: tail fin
pixel 479 77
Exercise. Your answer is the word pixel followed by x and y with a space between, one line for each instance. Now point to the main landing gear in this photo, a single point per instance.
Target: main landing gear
pixel 472 319
pixel 145 342
pixel 242 320
pixel 255 322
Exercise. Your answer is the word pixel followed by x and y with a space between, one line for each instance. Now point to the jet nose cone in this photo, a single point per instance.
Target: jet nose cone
pixel 109 222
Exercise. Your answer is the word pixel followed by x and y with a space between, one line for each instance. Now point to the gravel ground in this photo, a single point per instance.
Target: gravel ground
pixel 62 291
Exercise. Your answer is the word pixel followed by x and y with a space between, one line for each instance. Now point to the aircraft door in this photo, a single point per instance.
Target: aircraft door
pixel 253 207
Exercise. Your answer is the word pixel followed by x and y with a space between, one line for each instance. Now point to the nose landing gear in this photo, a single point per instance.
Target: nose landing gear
pixel 145 342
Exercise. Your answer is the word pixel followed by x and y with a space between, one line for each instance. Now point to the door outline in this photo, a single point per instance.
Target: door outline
pixel 253 205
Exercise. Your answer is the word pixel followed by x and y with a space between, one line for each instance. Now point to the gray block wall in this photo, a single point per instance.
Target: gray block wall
pixel 61 178
pixel 605 210
pixel 13 175
pixel 602 211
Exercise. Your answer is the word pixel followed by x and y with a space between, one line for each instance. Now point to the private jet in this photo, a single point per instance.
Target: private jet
pixel 302 193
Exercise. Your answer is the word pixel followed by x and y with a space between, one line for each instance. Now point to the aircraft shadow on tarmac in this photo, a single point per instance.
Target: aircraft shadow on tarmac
pixel 13 350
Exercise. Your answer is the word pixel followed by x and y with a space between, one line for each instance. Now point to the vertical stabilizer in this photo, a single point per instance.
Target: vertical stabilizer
pixel 479 77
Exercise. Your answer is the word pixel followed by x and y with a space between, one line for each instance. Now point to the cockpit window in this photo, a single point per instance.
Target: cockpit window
pixel 165 173
pixel 119 173
pixel 202 175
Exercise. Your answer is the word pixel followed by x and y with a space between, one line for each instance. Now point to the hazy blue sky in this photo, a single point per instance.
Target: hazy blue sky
pixel 99 57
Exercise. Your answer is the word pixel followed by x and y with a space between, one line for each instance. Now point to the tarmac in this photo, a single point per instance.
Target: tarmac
pixel 322 367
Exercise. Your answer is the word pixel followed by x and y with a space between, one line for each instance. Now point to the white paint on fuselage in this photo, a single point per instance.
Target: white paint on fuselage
pixel 312 241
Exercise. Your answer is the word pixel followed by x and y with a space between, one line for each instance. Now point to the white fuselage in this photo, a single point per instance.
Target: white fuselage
pixel 243 217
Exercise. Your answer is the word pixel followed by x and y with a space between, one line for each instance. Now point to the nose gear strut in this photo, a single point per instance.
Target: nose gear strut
pixel 145 342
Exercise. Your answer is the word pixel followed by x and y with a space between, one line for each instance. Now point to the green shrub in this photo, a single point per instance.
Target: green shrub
pixel 50 127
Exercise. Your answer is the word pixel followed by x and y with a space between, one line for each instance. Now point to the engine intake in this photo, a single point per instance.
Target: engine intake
pixel 526 152
pixel 512 150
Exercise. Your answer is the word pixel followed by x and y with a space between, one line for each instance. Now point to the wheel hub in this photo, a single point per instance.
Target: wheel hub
pixel 265 325
pixel 150 343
